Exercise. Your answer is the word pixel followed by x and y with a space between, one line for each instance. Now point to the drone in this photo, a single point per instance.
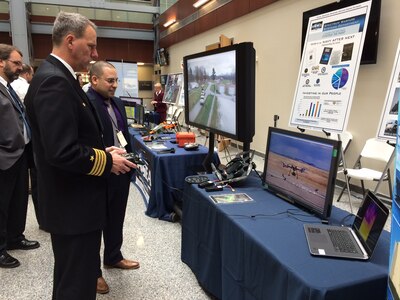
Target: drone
pixel 293 170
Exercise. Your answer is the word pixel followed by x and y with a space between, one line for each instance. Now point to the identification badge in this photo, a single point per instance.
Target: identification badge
pixel 121 139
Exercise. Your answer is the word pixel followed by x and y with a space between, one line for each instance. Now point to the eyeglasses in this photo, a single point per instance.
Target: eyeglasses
pixel 17 63
pixel 111 80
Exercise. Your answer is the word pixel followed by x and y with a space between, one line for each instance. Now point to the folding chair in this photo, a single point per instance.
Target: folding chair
pixel 373 150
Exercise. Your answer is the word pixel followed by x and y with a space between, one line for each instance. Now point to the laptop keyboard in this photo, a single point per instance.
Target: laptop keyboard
pixel 342 241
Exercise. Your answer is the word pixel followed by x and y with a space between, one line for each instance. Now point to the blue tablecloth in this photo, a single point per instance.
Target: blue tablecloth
pixel 168 172
pixel 256 250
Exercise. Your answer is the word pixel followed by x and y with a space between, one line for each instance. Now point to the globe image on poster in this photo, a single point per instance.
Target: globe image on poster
pixel 339 79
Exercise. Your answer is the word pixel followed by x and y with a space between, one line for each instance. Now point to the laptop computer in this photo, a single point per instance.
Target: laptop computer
pixel 355 242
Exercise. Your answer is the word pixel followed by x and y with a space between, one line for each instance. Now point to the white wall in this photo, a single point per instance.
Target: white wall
pixel 275 31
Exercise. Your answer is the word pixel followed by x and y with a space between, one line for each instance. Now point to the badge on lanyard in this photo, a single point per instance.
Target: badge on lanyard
pixel 121 139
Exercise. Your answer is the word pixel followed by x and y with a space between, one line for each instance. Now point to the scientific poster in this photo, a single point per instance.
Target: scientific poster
pixel 128 84
pixel 329 68
pixel 388 125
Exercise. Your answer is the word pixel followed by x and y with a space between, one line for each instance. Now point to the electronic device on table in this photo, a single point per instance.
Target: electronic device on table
pixel 237 169
pixel 219 88
pixel 355 242
pixel 301 169
pixel 132 157
pixel 196 179
pixel 134 109
pixel 191 146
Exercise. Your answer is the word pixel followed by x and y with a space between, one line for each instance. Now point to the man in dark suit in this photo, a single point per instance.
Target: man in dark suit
pixel 14 151
pixel 111 110
pixel 159 107
pixel 71 159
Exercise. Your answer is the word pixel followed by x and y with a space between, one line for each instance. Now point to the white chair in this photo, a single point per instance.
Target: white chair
pixel 171 112
pixel 346 137
pixel 373 150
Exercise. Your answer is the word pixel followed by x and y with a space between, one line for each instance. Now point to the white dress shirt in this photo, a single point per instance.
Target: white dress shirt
pixel 20 86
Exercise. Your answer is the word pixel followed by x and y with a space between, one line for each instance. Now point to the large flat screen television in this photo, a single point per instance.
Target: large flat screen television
pixel 370 50
pixel 220 91
pixel 301 169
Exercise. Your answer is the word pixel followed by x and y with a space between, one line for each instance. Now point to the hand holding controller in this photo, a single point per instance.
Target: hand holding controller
pixel 133 158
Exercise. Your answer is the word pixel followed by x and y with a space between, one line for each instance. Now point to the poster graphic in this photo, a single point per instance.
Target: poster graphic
pixel 329 68
pixel 128 84
pixel 388 125
pixel 173 88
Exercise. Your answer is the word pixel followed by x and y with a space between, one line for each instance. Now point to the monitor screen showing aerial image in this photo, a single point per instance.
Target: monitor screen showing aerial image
pixel 299 168
pixel 212 91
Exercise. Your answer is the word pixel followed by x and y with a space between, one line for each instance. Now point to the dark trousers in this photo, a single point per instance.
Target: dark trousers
pixel 34 191
pixel 13 202
pixel 33 177
pixel 163 116
pixel 76 263
pixel 118 191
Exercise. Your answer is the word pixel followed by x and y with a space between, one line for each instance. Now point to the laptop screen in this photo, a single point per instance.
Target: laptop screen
pixel 302 169
pixel 370 220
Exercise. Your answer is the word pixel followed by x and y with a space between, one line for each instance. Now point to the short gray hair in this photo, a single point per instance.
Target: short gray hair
pixel 67 23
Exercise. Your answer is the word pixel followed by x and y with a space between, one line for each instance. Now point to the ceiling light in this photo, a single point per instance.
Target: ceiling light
pixel 169 23
pixel 199 3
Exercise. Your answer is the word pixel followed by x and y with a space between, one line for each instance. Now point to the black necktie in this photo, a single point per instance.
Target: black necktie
pixel 20 108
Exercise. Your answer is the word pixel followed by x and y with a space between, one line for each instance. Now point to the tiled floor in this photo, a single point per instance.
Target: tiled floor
pixel 156 244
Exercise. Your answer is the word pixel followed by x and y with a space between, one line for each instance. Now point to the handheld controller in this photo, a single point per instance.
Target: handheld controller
pixel 134 158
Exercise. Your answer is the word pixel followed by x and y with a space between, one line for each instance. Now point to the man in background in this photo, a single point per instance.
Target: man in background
pixel 111 110
pixel 21 84
pixel 15 138
pixel 159 106
pixel 71 159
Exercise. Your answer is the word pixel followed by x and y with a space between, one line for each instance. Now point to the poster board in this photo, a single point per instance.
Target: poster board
pixel 173 88
pixel 388 124
pixel 329 68
pixel 127 73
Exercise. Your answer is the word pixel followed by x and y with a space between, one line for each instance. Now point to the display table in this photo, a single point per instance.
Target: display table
pixel 258 250
pixel 166 174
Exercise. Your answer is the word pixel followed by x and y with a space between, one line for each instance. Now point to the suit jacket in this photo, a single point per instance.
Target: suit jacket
pixel 108 135
pixel 12 141
pixel 72 165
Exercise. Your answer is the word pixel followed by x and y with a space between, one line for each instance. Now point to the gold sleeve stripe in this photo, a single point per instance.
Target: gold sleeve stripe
pixel 99 163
